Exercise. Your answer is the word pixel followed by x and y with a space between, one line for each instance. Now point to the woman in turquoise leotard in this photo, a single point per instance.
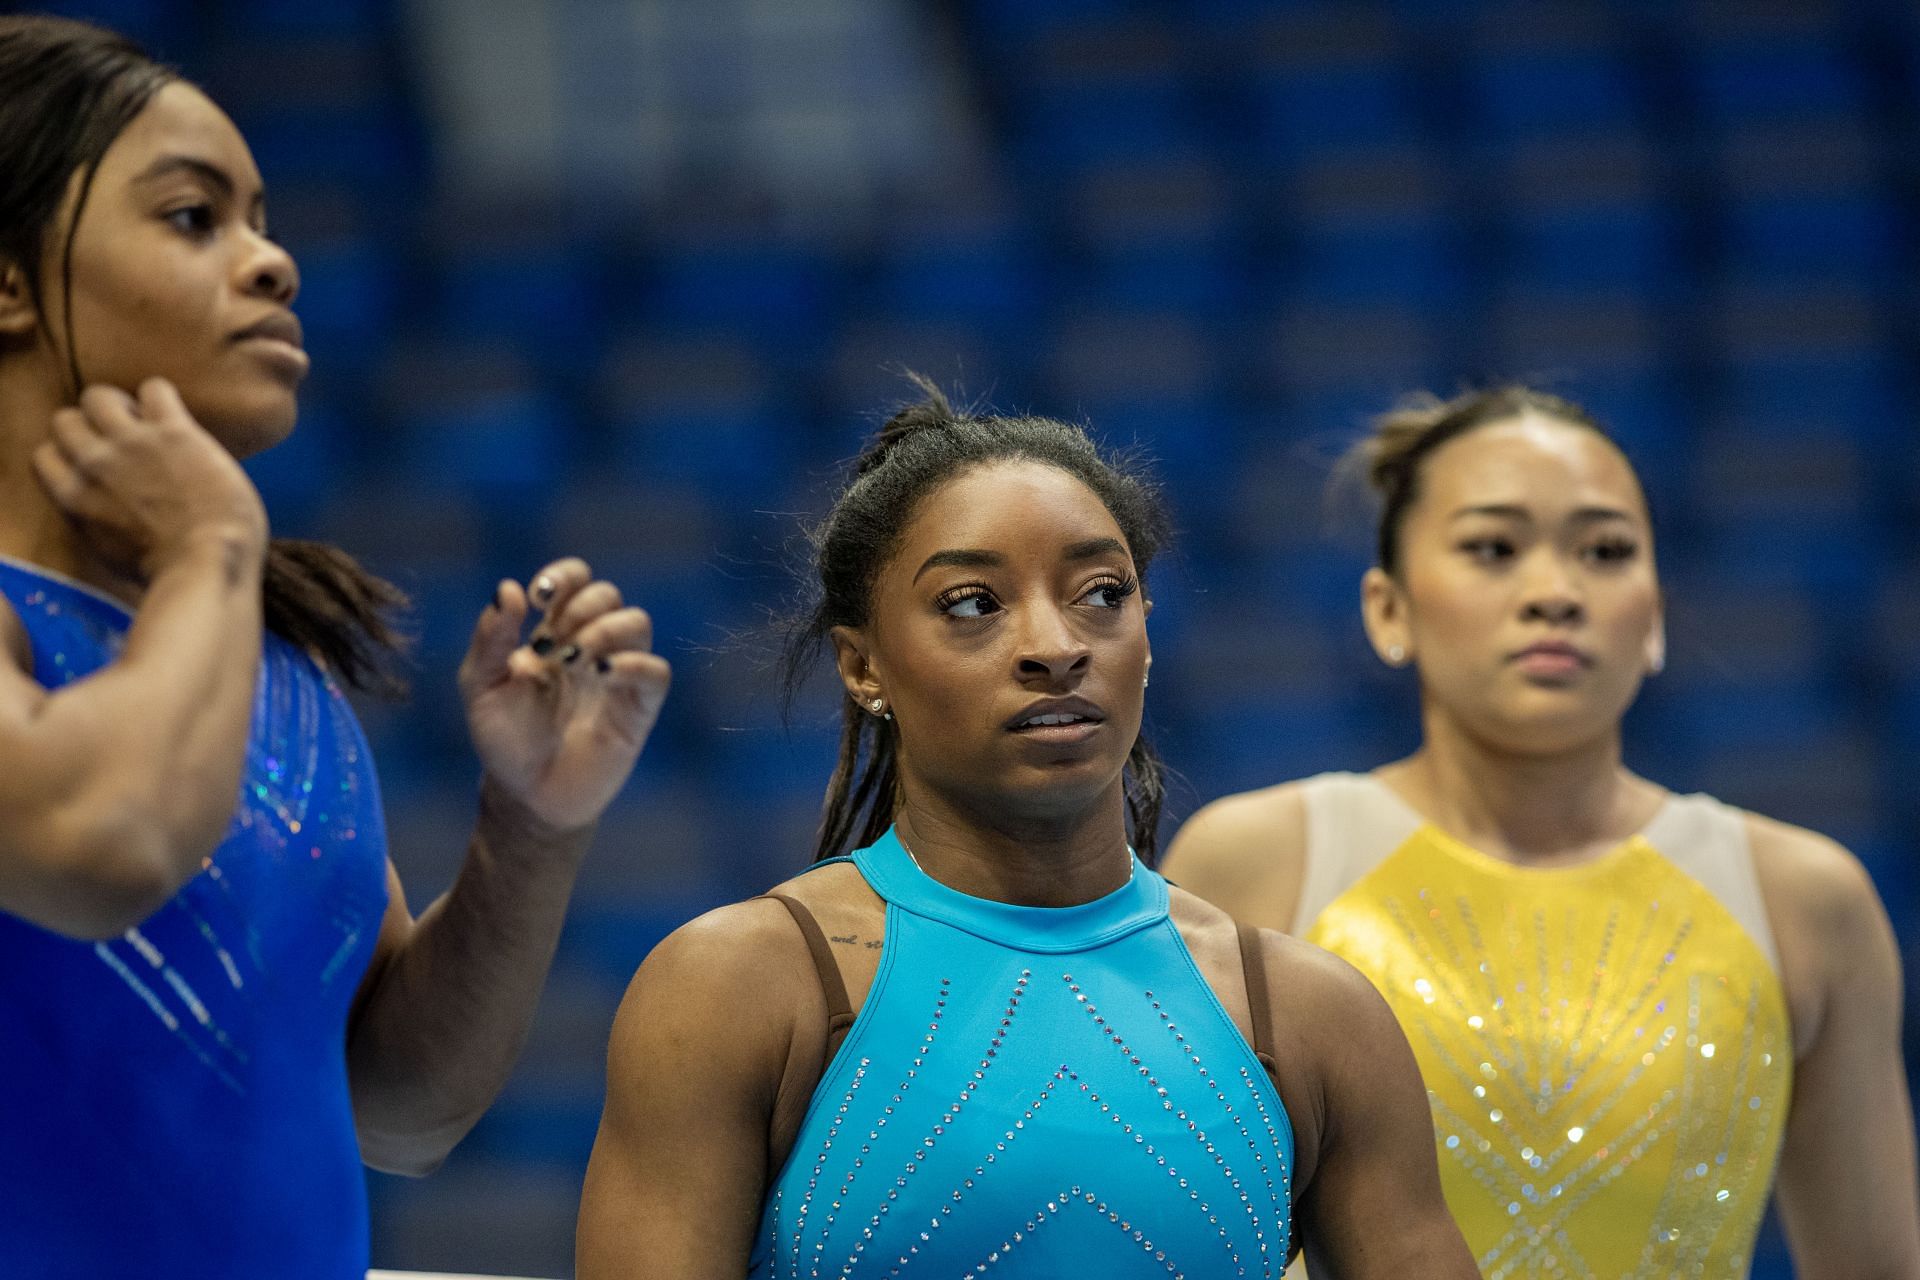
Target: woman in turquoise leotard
pixel 992 1040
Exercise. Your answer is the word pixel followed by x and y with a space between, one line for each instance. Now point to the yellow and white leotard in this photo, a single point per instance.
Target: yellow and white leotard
pixel 1605 1046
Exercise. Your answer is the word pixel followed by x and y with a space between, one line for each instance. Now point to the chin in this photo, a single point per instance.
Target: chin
pixel 1550 731
pixel 250 425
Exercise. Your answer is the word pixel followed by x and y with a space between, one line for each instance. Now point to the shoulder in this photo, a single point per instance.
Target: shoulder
pixel 739 949
pixel 1808 880
pixel 1321 985
pixel 745 963
pixel 1232 848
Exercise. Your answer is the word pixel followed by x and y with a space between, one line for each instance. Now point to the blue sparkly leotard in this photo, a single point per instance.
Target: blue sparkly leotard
pixel 176 1098
pixel 1033 1092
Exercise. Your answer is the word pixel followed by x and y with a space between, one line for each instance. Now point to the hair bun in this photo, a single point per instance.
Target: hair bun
pixel 933 413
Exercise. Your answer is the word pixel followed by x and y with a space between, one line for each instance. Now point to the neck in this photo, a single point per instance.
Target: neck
pixel 1059 861
pixel 1549 807
pixel 32 527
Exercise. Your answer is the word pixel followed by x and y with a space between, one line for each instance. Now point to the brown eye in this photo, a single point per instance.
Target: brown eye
pixel 966 602
pixel 1614 551
pixel 1487 550
pixel 195 220
pixel 1110 594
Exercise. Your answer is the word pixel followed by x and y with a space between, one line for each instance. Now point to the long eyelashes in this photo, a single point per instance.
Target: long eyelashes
pixel 1118 589
pixel 953 597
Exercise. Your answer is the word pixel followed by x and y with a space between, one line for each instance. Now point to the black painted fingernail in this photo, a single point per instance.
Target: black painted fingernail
pixel 543 589
pixel 570 653
pixel 602 665
pixel 500 596
pixel 541 645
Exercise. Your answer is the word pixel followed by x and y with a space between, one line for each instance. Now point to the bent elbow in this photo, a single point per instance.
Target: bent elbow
pixel 109 878
pixel 410 1155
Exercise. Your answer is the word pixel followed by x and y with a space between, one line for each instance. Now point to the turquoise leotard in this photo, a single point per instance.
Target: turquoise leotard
pixel 1033 1092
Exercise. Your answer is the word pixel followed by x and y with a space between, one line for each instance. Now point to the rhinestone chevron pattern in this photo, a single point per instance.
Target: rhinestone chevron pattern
pixel 1606 1051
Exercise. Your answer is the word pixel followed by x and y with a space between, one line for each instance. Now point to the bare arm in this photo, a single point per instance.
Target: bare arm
pixel 446 1007
pixel 114 789
pixel 1846 1182
pixel 447 1002
pixel 1373 1210
pixel 680 1167
pixel 1246 854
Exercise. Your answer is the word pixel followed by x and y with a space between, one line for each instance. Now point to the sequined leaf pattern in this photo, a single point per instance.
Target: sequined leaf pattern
pixel 1605 1049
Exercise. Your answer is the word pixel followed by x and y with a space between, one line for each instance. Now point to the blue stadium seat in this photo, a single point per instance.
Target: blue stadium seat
pixel 1302 111
pixel 1814 235
pixel 1159 236
pixel 300 474
pixel 361 19
pixel 1527 92
pixel 1065 127
pixel 351 293
pixel 1627 247
pixel 761 288
pixel 507 445
pixel 543 297
pixel 1789 77
pixel 165 28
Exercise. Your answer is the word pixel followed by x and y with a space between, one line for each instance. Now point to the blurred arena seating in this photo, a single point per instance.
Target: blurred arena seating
pixel 627 277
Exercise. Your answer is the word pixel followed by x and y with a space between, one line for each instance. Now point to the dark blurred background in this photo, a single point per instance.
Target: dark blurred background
pixel 628 277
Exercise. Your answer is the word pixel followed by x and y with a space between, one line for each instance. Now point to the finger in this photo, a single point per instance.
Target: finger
pixel 112 411
pixel 552 586
pixel 496 634
pixel 592 601
pixel 57 476
pixel 627 630
pixel 78 440
pixel 159 401
pixel 645 676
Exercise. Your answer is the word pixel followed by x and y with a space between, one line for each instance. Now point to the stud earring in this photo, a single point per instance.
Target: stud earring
pixel 878 705
pixel 1396 655
pixel 1146 679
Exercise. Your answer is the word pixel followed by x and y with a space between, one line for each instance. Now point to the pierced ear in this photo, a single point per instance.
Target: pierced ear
pixel 1383 609
pixel 19 311
pixel 855 664
pixel 1657 646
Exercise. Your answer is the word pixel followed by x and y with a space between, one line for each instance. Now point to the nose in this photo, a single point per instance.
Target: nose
pixel 1050 653
pixel 1552 594
pixel 269 272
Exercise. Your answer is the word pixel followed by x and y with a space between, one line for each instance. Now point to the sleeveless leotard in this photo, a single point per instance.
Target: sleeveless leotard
pixel 1605 1046
pixel 176 1098
pixel 1033 1092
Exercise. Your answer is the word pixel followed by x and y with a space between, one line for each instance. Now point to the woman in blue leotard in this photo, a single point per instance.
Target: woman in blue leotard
pixel 210 1013
pixel 992 1041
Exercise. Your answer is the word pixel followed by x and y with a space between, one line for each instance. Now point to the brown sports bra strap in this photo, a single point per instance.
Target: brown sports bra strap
pixel 839 1008
pixel 1259 1003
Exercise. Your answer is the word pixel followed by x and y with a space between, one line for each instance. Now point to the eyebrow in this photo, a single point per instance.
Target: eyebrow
pixel 208 172
pixel 972 558
pixel 1583 515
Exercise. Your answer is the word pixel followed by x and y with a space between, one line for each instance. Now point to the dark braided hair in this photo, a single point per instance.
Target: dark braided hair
pixel 920 448
pixel 67 90
pixel 1404 437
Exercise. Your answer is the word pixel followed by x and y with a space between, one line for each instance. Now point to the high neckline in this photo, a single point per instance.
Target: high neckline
pixel 1135 905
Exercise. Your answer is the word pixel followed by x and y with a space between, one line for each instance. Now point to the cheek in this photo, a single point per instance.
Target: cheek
pixel 1453 617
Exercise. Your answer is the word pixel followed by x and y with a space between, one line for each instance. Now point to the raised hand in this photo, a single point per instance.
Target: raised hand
pixel 559 720
pixel 144 481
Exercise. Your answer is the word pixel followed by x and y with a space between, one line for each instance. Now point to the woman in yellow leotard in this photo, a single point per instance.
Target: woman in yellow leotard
pixel 1636 1012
